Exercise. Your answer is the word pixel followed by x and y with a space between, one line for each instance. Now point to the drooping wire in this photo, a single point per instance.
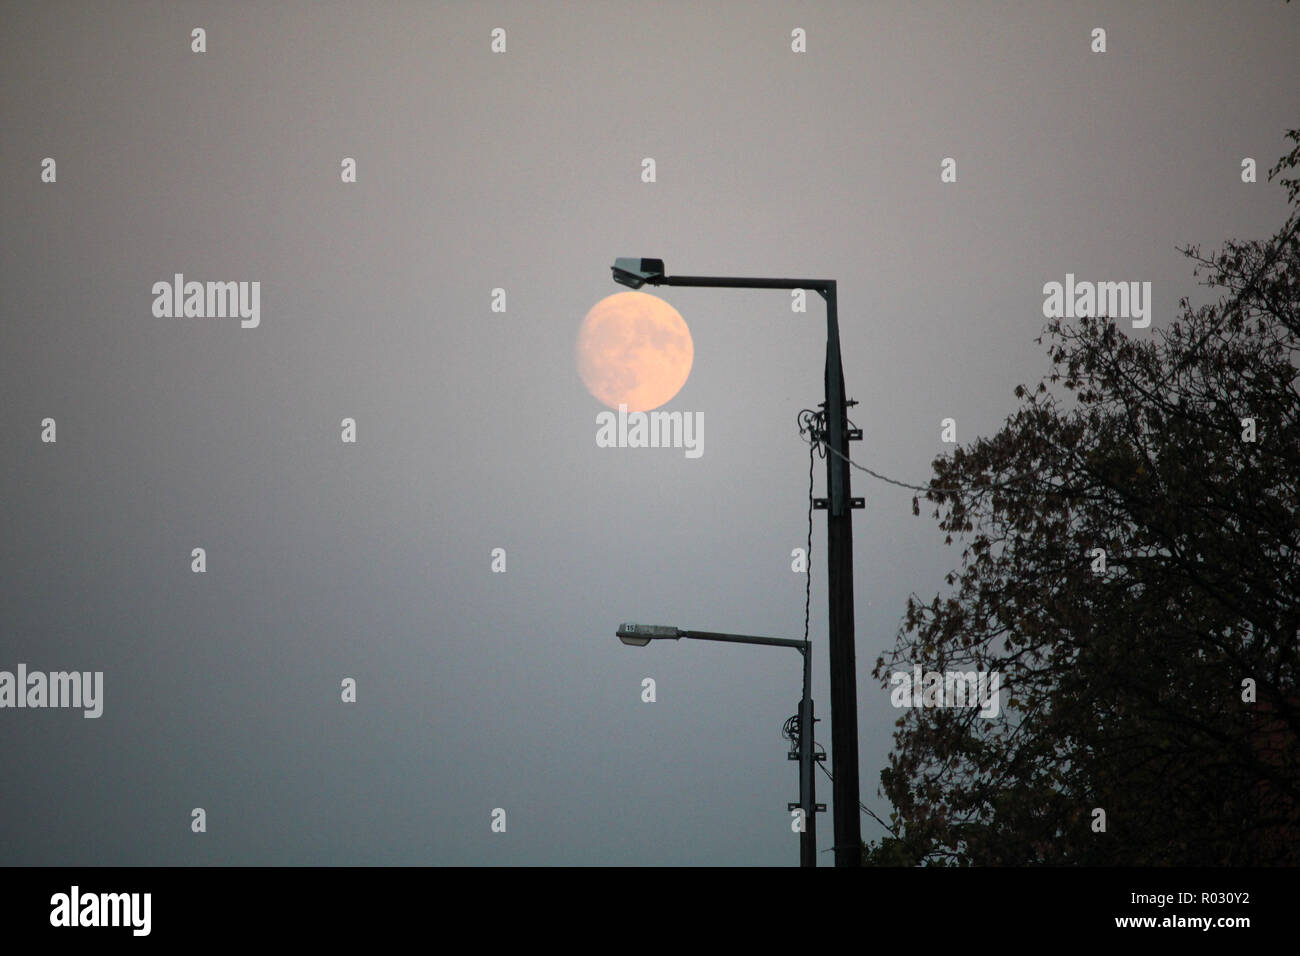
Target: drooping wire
pixel 825 447
pixel 893 830
pixel 946 491
pixel 807 418
pixel 808 424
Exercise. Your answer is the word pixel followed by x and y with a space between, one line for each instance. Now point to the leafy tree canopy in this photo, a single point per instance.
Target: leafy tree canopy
pixel 1123 691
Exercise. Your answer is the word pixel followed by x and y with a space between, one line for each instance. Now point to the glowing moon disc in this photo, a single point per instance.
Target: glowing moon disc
pixel 634 349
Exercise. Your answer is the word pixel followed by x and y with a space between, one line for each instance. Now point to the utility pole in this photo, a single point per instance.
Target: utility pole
pixel 839 506
pixel 807 755
pixel 839 569
pixel 639 635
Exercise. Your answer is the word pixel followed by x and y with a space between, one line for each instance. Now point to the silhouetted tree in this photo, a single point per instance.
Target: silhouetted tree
pixel 1124 691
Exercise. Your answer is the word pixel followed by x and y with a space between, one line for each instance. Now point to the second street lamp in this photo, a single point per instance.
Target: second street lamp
pixel 639 635
pixel 839 505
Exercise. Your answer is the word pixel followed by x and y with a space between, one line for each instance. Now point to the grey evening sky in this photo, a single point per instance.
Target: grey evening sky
pixel 522 171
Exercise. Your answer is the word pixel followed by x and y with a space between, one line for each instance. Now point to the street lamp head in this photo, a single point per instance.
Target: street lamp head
pixel 639 635
pixel 635 273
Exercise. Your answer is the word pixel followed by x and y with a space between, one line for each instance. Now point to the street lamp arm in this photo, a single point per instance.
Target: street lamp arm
pixel 746 639
pixel 732 282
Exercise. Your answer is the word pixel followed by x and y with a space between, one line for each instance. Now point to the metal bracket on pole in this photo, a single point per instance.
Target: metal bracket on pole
pixel 821 504
pixel 820 434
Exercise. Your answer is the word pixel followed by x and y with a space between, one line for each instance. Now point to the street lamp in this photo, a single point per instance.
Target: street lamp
pixel 634 273
pixel 639 635
pixel 839 506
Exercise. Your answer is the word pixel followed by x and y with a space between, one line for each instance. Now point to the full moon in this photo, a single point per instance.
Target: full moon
pixel 634 349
